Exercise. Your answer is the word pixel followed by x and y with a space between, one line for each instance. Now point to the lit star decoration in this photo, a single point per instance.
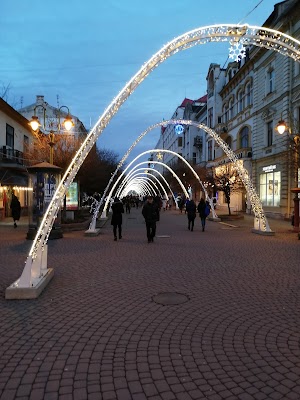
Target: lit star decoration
pixel 159 156
pixel 237 50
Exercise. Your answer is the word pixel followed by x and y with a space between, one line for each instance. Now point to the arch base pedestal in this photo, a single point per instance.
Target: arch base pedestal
pixel 14 292
pixel 265 233
pixel 92 232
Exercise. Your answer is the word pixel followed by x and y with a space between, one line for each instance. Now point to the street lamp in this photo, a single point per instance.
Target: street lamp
pixel 35 124
pixel 281 127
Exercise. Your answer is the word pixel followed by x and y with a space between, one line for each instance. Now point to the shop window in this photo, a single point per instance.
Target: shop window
pixel 270 186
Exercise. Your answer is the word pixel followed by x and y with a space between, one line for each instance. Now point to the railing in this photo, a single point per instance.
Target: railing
pixel 245 152
pixel 8 155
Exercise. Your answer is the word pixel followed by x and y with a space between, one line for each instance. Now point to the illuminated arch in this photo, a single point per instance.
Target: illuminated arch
pixel 169 152
pixel 142 174
pixel 165 166
pixel 160 175
pixel 250 35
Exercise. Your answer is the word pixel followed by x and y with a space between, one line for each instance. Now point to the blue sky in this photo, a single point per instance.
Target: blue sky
pixel 86 51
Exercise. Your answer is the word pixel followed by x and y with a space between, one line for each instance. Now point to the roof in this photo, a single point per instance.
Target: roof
pixel 14 114
pixel 186 101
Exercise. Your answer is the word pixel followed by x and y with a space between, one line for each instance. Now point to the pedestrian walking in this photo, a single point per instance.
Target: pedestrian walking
pixel 203 210
pixel 150 212
pixel 127 205
pixel 15 209
pixel 191 213
pixel 116 219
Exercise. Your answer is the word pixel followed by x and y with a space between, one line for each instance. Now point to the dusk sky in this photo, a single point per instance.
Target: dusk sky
pixel 85 52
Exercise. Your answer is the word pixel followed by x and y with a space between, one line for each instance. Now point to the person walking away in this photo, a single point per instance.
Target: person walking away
pixel 203 210
pixel 127 205
pixel 191 214
pixel 164 204
pixel 116 219
pixel 15 209
pixel 150 212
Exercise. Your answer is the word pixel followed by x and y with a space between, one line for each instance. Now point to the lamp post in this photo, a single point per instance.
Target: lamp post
pixel 35 124
pixel 281 128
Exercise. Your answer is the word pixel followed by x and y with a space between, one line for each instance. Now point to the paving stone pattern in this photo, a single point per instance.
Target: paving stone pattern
pixel 95 332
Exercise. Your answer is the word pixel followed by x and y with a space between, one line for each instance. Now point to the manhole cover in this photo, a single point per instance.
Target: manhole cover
pixel 170 298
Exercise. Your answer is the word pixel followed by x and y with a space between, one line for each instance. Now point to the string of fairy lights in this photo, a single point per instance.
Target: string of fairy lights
pixel 258 36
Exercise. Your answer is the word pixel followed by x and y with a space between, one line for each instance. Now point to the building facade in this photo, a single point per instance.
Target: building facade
pixel 15 135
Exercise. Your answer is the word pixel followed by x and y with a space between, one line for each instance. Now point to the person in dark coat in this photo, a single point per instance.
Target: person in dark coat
pixel 15 209
pixel 202 210
pixel 116 219
pixel 191 213
pixel 150 212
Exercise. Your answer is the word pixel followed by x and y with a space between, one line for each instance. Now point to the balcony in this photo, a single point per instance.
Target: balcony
pixel 11 156
pixel 242 154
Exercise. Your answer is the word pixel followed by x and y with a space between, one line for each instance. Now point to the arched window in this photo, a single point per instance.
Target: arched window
pixel 231 108
pixel 244 137
pixel 240 101
pixel 248 95
pixel 225 113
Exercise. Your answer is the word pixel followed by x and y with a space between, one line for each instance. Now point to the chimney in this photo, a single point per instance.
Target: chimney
pixel 39 99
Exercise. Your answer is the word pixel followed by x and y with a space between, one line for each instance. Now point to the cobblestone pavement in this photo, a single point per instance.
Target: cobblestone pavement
pixel 97 333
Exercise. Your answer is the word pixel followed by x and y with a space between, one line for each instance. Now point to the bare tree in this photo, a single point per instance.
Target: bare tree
pixel 227 180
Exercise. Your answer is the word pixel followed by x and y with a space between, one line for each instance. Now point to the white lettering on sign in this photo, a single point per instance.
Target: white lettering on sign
pixel 269 168
pixel 49 190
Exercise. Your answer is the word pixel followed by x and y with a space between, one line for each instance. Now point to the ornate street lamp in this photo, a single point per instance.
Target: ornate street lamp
pixel 35 124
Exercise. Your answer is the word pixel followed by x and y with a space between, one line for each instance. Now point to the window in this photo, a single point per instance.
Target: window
pixel 10 135
pixel 231 111
pixel 25 143
pixel 240 101
pixel 209 150
pixel 270 133
pixel 194 158
pixel 270 80
pixel 225 114
pixel 229 141
pixel 270 186
pixel 248 95
pixel 180 142
pixel 211 84
pixel 244 137
pixel 297 68
pixel 210 118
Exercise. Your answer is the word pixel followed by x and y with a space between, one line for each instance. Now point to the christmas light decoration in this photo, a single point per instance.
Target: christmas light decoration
pixel 134 169
pixel 174 154
pixel 237 50
pixel 251 35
